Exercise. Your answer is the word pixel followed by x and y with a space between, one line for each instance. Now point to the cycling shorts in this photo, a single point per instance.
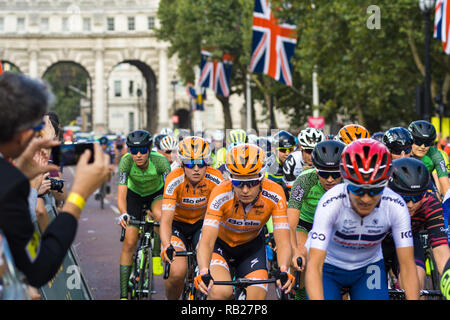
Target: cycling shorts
pixel 248 260
pixel 136 203
pixel 390 254
pixel 185 236
pixel 365 283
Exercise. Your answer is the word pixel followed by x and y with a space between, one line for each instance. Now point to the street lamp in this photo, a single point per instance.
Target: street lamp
pixel 427 6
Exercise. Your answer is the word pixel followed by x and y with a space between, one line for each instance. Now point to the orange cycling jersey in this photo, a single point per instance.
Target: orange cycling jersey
pixel 189 203
pixel 226 212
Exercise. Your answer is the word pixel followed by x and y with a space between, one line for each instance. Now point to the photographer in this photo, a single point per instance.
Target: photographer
pixel 23 103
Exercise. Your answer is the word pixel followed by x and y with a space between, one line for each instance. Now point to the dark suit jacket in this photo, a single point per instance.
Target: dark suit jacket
pixel 38 260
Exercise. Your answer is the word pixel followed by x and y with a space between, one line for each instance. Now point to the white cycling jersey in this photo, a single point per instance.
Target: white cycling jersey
pixel 353 242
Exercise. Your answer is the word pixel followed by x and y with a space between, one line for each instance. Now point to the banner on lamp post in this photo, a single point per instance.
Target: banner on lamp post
pixel 316 122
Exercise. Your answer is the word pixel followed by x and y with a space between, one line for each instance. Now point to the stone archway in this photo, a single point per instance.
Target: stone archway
pixel 9 66
pixel 184 119
pixel 72 85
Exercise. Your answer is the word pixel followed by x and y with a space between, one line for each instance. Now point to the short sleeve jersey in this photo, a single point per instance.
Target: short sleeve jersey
pixel 238 225
pixel 352 241
pixel 147 182
pixel 187 202
pixel 435 161
pixel 305 194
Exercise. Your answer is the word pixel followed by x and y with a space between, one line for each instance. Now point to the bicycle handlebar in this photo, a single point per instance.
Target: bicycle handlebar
pixel 169 251
pixel 138 223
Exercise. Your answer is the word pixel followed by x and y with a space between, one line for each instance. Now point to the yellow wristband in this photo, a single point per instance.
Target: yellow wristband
pixel 76 199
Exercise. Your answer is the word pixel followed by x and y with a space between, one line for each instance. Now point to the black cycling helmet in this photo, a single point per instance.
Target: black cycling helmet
pixel 283 139
pixel 398 139
pixel 157 140
pixel 139 138
pixel 409 176
pixel 327 155
pixel 378 136
pixel 422 130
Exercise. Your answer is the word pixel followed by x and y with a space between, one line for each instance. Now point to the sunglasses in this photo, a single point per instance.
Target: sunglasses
pixel 308 151
pixel 327 174
pixel 285 150
pixel 249 183
pixel 168 151
pixel 420 142
pixel 39 127
pixel 415 198
pixel 192 164
pixel 400 151
pixel 359 191
pixel 136 150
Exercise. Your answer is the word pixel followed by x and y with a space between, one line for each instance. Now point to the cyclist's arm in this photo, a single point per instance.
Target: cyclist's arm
pixel 293 217
pixel 408 274
pixel 313 277
pixel 204 251
pixel 122 198
pixel 441 255
pixel 122 189
pixel 168 212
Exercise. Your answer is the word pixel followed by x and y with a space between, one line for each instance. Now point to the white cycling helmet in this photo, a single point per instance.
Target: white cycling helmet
pixel 168 143
pixel 309 137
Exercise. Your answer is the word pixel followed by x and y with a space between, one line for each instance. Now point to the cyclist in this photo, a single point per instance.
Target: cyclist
pixel 306 192
pixel 234 137
pixel 218 138
pixel 410 179
pixel 186 195
pixel 284 143
pixel 351 220
pixel 399 142
pixel 352 132
pixel 424 134
pixel 141 182
pixel 120 148
pixel 308 138
pixel 292 167
pixel 237 211
pixel 168 146
pixel 107 149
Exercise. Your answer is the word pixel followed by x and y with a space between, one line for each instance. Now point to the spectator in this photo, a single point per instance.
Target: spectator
pixel 23 103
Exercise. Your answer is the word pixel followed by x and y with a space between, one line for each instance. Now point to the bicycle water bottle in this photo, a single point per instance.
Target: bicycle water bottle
pixel 269 252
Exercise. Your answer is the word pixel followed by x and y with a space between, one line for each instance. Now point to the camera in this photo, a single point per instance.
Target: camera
pixel 56 184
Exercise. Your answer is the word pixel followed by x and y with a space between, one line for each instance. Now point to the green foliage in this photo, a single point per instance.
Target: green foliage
pixel 60 76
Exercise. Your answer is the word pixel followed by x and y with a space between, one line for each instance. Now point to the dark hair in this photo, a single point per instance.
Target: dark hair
pixel 23 101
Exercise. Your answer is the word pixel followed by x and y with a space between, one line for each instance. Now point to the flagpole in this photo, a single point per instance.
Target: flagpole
pixel 249 103
pixel 315 94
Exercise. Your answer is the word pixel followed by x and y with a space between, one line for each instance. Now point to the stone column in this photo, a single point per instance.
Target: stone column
pixel 33 63
pixel 99 115
pixel 163 86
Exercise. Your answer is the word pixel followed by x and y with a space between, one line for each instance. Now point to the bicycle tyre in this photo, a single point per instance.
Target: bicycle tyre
pixel 149 273
pixel 434 273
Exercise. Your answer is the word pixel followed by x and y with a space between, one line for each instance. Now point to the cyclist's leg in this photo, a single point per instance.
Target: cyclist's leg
pixel 134 207
pixel 332 284
pixel 220 271
pixel 253 266
pixel 175 283
pixel 126 258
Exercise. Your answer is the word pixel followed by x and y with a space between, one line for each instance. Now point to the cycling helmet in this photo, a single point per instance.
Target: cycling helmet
pixel 422 130
pixel 194 148
pixel 245 159
pixel 378 136
pixel 283 139
pixel 327 155
pixel 252 138
pixel 397 139
pixel 183 133
pixel 157 140
pixel 409 176
pixel 103 140
pixel 237 135
pixel 366 162
pixel 352 132
pixel 309 137
pixel 218 135
pixel 139 138
pixel 168 143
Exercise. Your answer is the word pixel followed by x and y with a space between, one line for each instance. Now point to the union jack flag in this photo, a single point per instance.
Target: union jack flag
pixel 273 44
pixel 214 74
pixel 197 99
pixel 442 24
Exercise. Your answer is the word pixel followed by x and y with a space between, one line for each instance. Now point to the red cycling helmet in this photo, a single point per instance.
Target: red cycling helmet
pixel 366 162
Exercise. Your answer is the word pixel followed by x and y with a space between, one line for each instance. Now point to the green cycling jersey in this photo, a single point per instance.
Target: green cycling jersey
pixel 305 195
pixel 147 182
pixel 435 161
